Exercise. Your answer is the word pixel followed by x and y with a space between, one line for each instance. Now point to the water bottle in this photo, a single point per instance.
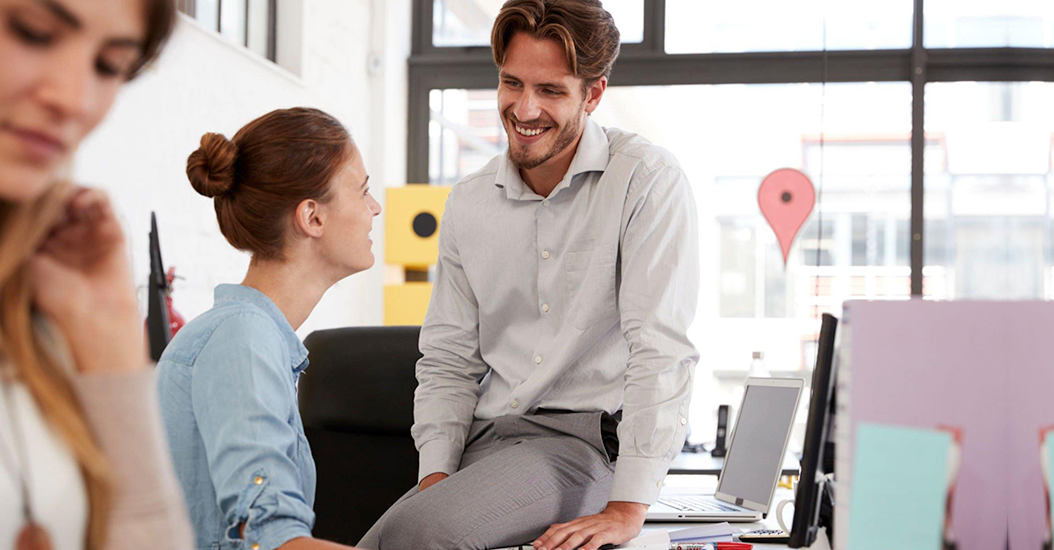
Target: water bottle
pixel 757 366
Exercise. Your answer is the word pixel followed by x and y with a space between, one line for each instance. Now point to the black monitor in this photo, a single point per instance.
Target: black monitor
pixel 812 487
pixel 157 326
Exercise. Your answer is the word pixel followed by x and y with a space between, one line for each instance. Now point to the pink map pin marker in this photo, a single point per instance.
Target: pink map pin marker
pixel 786 198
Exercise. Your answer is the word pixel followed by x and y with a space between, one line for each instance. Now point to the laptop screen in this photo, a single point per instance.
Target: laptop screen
pixel 756 454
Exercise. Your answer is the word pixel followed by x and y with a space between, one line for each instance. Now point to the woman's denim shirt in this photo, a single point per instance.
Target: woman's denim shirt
pixel 227 384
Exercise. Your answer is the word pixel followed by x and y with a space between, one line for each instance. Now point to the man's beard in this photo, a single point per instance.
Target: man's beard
pixel 518 153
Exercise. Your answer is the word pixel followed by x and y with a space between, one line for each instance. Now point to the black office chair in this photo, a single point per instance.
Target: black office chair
pixel 356 400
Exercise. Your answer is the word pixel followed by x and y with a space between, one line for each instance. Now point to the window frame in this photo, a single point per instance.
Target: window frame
pixel 648 64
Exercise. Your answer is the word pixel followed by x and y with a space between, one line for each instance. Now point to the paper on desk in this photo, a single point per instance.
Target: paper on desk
pixel 899 487
pixel 652 540
pixel 711 532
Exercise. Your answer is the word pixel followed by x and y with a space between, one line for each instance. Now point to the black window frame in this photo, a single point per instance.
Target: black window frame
pixel 648 64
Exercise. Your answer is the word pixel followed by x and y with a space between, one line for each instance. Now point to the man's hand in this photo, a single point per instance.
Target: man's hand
pixel 431 480
pixel 618 523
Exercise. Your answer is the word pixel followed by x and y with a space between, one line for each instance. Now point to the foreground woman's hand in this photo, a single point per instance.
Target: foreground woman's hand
pixel 82 280
pixel 618 523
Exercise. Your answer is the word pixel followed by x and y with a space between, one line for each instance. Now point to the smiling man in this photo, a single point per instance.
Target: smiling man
pixel 554 387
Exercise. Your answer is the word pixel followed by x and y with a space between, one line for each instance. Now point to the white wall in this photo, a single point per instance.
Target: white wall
pixel 205 83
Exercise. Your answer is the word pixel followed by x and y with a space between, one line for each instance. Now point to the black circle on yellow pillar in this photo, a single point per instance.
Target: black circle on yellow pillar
pixel 425 225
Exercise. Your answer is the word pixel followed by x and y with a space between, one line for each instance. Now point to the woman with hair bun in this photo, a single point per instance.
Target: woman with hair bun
pixel 291 189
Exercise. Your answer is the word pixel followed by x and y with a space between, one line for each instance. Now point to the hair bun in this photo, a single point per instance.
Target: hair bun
pixel 211 167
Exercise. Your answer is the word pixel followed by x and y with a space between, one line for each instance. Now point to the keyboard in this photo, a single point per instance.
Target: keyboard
pixel 697 504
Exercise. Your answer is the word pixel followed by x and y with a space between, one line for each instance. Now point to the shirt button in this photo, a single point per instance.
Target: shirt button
pixel 545 254
pixel 537 359
pixel 684 421
pixel 658 484
pixel 258 480
pixel 545 308
pixel 545 202
pixel 256 546
pixel 515 404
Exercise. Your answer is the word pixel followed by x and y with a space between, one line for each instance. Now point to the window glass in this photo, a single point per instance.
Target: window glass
pixel 232 20
pixel 982 23
pixel 259 27
pixel 464 133
pixel 468 22
pixel 715 26
pixel 207 12
pixel 988 203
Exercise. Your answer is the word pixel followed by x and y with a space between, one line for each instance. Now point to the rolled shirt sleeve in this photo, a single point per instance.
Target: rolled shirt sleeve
pixel 244 396
pixel 451 367
pixel 657 301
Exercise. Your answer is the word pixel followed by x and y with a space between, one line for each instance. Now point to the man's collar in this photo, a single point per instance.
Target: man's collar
pixel 592 156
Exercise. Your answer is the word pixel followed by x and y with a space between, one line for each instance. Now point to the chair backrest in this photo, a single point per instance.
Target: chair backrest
pixel 356 400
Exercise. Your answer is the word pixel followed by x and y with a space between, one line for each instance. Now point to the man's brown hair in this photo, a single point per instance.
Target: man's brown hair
pixel 584 28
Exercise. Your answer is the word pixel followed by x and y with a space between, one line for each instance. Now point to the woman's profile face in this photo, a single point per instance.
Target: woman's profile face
pixel 63 62
pixel 350 218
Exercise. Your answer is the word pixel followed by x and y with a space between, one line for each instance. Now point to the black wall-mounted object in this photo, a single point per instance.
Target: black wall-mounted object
pixel 722 432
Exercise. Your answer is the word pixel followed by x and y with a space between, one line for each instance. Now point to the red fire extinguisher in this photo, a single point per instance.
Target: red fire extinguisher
pixel 175 320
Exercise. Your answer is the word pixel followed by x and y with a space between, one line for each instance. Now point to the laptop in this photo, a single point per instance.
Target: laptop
pixel 753 463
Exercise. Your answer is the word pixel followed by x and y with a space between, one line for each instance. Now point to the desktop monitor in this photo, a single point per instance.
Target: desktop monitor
pixel 812 487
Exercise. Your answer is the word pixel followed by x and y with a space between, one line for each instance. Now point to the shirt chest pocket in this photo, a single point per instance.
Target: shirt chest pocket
pixel 590 278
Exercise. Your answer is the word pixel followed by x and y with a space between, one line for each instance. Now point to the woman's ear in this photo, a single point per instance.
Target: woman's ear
pixel 309 218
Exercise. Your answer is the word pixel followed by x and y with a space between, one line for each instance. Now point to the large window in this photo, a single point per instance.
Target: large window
pixel 250 23
pixel 750 301
pixel 933 149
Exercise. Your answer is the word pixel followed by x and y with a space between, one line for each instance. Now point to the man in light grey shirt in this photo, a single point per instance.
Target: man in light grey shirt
pixel 567 278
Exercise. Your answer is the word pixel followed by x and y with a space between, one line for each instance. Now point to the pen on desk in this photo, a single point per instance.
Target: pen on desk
pixel 711 546
pixel 680 546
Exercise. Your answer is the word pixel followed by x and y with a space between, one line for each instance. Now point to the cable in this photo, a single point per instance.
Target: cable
pixel 819 190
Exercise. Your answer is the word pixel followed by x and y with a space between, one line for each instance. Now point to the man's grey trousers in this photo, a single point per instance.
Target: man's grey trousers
pixel 518 475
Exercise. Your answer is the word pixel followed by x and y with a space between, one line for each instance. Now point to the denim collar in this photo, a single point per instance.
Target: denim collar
pixel 242 293
pixel 592 156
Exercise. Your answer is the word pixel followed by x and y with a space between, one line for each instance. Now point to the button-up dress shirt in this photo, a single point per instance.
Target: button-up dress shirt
pixel 577 301
pixel 227 385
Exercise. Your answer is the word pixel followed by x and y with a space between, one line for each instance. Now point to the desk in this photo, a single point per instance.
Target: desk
pixel 704 464
pixel 768 523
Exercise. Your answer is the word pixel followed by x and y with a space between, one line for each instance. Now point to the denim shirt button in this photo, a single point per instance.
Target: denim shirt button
pixel 259 481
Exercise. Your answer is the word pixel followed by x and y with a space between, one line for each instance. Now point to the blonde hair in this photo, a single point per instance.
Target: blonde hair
pixel 29 348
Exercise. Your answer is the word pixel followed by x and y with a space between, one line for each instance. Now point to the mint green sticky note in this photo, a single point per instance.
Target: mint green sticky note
pixel 1050 469
pixel 900 485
